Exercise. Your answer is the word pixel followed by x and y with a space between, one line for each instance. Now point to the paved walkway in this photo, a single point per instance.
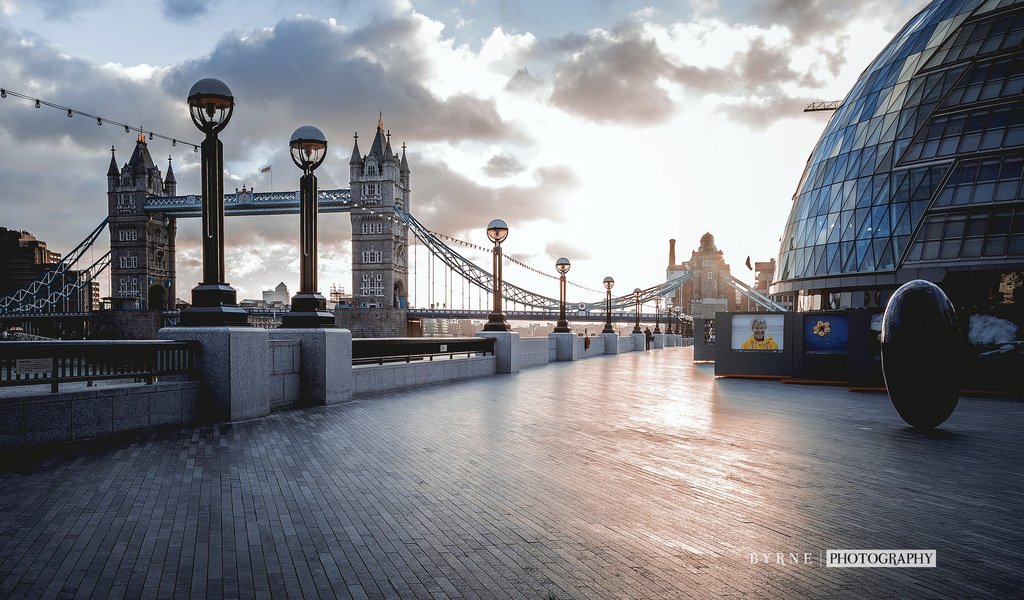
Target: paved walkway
pixel 637 476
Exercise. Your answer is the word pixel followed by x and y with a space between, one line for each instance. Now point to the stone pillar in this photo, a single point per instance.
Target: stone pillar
pixel 506 350
pixel 639 342
pixel 325 375
pixel 658 341
pixel 611 343
pixel 233 367
pixel 565 345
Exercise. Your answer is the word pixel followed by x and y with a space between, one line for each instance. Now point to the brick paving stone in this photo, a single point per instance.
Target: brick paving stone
pixel 630 476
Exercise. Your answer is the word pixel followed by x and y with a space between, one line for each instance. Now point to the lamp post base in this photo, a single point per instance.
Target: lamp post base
pixel 497 322
pixel 562 327
pixel 214 305
pixel 636 329
pixel 309 310
pixel 607 329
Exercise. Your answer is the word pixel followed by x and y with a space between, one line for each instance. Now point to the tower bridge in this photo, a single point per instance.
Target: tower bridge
pixel 143 209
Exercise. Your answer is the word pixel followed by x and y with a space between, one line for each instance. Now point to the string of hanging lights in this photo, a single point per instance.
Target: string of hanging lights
pixel 71 112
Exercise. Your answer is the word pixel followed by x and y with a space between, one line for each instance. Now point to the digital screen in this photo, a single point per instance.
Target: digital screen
pixel 826 333
pixel 761 332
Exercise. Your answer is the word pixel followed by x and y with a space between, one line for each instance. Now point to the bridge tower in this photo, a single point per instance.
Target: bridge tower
pixel 380 267
pixel 141 245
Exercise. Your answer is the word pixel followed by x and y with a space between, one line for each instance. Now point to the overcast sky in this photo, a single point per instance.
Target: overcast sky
pixel 598 129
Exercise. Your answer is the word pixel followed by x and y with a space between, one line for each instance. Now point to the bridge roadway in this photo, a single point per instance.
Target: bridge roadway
pixel 527 315
pixel 635 476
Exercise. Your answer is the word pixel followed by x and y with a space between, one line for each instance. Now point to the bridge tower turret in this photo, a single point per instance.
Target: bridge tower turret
pixel 380 269
pixel 141 245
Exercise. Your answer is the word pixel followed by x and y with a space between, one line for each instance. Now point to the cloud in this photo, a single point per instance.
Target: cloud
pixel 615 81
pixel 183 11
pixel 810 19
pixel 449 202
pixel 501 165
pixel 65 10
pixel 352 77
pixel 571 251
pixel 624 76
pixel 523 82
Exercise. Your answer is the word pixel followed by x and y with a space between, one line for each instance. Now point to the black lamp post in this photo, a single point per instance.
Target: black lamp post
pixel 636 295
pixel 308 148
pixel 497 231
pixel 214 302
pixel 657 315
pixel 608 284
pixel 679 326
pixel 562 265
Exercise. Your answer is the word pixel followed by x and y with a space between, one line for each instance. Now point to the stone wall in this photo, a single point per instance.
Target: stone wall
pixel 381 378
pixel 373 322
pixel 535 351
pixel 38 419
pixel 125 324
pixel 284 373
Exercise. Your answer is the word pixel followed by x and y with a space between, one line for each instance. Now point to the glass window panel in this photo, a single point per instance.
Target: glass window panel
pixel 971 248
pixel 1018 222
pixel 984 193
pixel 999 223
pixel 991 90
pixel 1014 136
pixel 930 251
pixel 994 246
pixel 1011 168
pixel 933 229
pixel 970 142
pixel 976 225
pixel 1006 190
pixel 971 94
pixel 949 249
pixel 988 171
pixel 948 146
pixel 1016 246
pixel 992 139
pixel 915 252
pixel 968 172
pixel 945 197
pixel 1013 86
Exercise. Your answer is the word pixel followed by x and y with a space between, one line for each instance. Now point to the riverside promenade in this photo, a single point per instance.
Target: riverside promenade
pixel 630 476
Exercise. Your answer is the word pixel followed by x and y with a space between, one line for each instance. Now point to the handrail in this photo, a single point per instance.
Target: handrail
pixel 380 350
pixel 62 361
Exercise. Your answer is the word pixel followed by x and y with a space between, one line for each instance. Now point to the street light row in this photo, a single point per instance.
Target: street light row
pixel 497 232
pixel 214 302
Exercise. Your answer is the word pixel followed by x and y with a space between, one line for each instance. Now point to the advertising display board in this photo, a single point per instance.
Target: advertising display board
pixel 758 332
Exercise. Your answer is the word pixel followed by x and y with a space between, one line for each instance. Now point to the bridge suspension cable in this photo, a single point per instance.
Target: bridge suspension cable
pixel 71 112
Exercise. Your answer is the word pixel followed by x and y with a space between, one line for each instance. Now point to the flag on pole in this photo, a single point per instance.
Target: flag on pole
pixel 265 169
pixel 748 262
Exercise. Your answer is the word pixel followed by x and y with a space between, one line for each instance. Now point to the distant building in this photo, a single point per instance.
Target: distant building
pixel 142 275
pixel 277 295
pixel 379 181
pixel 24 259
pixel 708 291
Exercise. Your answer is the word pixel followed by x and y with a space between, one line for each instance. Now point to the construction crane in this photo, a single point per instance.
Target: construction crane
pixel 819 106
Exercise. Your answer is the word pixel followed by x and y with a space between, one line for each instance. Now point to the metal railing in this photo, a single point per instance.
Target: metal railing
pixel 59 361
pixel 377 351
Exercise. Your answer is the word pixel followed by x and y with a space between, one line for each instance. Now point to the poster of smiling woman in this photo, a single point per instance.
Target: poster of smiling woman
pixel 760 332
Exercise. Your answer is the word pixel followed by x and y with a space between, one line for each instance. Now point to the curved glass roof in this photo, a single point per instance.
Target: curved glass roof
pixel 922 163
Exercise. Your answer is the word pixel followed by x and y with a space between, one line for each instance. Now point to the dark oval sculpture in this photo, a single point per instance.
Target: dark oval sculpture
pixel 922 353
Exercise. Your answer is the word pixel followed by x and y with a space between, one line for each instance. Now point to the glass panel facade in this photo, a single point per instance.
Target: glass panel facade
pixel 924 159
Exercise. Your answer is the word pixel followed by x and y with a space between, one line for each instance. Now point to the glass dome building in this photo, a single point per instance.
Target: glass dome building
pixel 918 173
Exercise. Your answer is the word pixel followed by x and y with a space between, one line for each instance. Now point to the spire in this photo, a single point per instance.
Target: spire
pixel 377 149
pixel 141 157
pixel 170 172
pixel 112 170
pixel 388 154
pixel 405 163
pixel 356 157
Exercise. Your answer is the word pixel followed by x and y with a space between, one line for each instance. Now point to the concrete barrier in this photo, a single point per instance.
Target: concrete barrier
pixel 370 379
pixel 37 418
